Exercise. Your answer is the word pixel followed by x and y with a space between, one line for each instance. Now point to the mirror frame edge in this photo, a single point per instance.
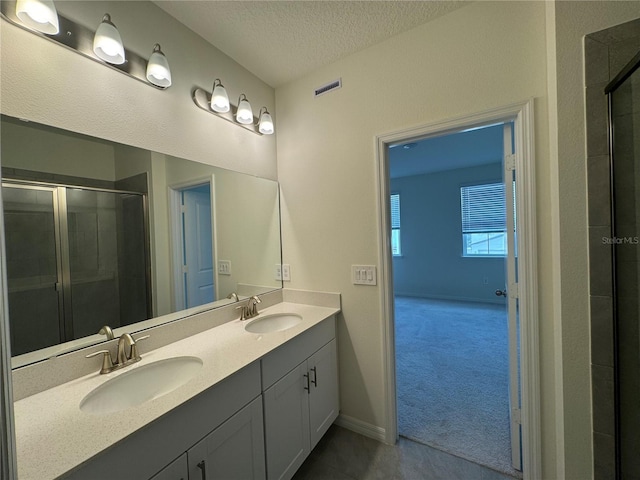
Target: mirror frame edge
pixel 8 463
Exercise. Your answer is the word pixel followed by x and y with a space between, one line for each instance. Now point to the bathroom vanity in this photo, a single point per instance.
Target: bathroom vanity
pixel 255 409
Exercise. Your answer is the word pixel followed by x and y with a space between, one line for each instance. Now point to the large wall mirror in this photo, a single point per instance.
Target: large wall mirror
pixel 99 233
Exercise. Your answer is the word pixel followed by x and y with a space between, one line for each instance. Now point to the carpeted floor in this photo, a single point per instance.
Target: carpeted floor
pixel 453 378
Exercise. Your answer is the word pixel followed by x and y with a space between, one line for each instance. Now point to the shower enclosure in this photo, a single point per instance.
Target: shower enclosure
pixel 624 123
pixel 77 259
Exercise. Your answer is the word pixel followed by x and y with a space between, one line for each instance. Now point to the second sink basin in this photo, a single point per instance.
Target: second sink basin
pixel 273 323
pixel 141 384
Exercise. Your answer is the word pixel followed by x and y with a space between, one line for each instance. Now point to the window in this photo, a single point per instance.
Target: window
pixel 395 224
pixel 484 220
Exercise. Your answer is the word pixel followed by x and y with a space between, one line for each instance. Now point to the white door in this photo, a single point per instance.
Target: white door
pixel 512 297
pixel 198 246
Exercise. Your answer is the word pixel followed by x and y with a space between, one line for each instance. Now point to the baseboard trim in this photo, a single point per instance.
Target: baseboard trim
pixel 497 301
pixel 363 428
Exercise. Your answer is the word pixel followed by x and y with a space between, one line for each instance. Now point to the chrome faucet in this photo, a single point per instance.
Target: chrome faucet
pixel 126 354
pixel 233 296
pixel 249 310
pixel 106 330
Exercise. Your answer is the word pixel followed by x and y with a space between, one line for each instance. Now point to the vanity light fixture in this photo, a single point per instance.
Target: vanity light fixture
pixel 219 97
pixel 158 71
pixel 244 114
pixel 107 43
pixel 265 122
pixel 240 115
pixel 40 15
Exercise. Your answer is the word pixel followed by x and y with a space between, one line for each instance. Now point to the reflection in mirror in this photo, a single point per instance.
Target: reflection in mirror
pixel 99 233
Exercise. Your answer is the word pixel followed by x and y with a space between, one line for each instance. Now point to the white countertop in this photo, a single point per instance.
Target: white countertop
pixel 53 435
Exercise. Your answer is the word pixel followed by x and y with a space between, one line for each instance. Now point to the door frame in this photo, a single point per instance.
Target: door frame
pixel 522 116
pixel 176 239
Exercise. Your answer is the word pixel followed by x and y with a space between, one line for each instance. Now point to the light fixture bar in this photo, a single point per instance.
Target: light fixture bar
pixel 79 38
pixel 202 99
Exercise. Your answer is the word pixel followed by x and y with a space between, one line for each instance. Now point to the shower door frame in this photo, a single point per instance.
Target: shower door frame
pixel 628 70
pixel 61 229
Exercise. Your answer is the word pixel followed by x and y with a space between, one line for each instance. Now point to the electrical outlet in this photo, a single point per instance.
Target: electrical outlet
pixel 364 275
pixel 286 272
pixel 279 271
pixel 224 267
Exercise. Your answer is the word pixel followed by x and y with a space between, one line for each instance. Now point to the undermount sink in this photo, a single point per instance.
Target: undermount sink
pixel 273 323
pixel 141 384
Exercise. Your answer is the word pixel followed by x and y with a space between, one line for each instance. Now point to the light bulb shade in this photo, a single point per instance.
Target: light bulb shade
pixel 40 15
pixel 244 114
pixel 219 98
pixel 158 71
pixel 265 125
pixel 107 43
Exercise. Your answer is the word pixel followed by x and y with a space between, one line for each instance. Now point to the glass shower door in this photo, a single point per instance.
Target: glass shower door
pixel 107 259
pixel 33 267
pixel 624 101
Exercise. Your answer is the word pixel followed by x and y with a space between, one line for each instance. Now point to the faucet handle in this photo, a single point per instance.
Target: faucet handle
pixel 134 348
pixel 243 312
pixel 107 361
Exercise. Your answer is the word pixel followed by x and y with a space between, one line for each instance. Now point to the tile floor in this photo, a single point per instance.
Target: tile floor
pixel 345 455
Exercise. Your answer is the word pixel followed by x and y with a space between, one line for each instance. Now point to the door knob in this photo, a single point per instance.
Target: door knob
pixel 501 293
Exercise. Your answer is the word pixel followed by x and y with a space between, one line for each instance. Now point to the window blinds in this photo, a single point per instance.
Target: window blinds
pixel 483 208
pixel 395 210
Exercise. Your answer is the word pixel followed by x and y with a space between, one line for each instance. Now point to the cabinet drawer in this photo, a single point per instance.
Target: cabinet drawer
pixel 278 363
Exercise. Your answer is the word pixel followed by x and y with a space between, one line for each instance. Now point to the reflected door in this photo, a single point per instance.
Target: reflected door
pixel 198 255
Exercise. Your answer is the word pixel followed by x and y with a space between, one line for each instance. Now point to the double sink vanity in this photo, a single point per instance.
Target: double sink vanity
pixel 238 399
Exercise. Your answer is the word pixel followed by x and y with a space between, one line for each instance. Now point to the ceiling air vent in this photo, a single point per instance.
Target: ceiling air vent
pixel 327 88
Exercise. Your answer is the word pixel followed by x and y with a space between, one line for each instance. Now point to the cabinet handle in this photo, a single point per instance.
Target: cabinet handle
pixel 203 469
pixel 306 376
pixel 315 377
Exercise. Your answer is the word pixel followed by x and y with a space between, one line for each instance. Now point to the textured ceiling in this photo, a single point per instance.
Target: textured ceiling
pixel 279 41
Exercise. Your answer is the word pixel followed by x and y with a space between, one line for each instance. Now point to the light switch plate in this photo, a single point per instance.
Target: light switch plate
pixel 224 267
pixel 286 272
pixel 364 275
pixel 279 271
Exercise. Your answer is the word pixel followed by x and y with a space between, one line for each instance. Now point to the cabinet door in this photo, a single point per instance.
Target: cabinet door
pixel 323 395
pixel 176 470
pixel 286 419
pixel 233 451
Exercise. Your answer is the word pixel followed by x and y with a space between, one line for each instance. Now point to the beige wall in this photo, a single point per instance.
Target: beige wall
pixel 483 56
pixel 574 20
pixel 48 84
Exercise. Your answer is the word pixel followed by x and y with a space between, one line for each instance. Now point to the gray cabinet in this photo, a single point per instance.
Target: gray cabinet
pixel 233 451
pixel 298 410
pixel 176 470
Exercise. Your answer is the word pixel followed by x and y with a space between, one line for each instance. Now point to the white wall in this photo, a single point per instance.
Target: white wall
pixel 572 21
pixel 485 55
pixel 46 83
pixel 432 264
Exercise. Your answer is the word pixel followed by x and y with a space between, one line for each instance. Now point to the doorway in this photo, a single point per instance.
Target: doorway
pixel 450 247
pixel 193 245
pixel 521 291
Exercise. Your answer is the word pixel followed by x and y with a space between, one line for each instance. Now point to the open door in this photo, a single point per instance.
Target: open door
pixel 512 297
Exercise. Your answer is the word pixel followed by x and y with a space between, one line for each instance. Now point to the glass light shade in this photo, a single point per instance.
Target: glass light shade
pixel 158 71
pixel 265 125
pixel 219 99
pixel 107 43
pixel 40 15
pixel 244 114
